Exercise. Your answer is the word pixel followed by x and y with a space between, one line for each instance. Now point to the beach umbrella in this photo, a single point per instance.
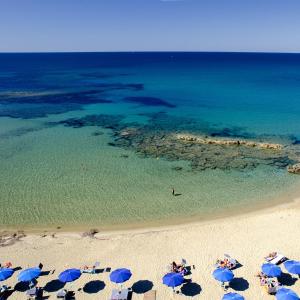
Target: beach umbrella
pixel 233 296
pixel 286 294
pixel 292 266
pixel 5 273
pixel 69 275
pixel 223 274
pixel 173 279
pixel 120 275
pixel 271 270
pixel 29 274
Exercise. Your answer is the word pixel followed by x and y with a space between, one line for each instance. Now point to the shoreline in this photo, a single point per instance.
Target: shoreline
pixel 289 199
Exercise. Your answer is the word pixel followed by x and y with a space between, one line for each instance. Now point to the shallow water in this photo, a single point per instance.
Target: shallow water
pixel 57 174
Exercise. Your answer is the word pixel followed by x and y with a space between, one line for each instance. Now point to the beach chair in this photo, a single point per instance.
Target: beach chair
pixel 107 270
pixel 119 295
pixel 89 271
pixel 271 290
pixel 31 293
pixel 279 258
pixel 150 295
pixel 62 294
pixel 233 262
pixel 3 288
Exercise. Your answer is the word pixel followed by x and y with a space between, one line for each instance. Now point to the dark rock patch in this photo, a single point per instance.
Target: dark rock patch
pixel 158 139
pixel 104 121
pixel 149 101
pixel 30 111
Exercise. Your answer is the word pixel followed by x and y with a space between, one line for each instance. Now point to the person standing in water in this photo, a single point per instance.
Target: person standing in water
pixel 173 191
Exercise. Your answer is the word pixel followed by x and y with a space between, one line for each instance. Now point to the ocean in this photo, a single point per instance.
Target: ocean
pixel 89 139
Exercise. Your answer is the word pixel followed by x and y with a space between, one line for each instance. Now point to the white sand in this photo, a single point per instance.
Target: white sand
pixel 248 238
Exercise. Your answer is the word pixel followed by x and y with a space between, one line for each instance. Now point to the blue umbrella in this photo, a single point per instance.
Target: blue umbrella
pixel 286 294
pixel 120 275
pixel 69 275
pixel 173 279
pixel 271 270
pixel 233 296
pixel 29 274
pixel 5 273
pixel 292 266
pixel 223 274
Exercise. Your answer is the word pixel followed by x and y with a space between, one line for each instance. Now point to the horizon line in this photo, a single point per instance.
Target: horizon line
pixel 150 51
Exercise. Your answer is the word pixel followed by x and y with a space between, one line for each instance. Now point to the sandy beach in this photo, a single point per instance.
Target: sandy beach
pixel 147 252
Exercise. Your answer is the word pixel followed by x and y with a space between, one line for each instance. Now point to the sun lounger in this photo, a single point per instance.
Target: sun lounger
pixel 150 295
pixel 277 259
pixel 31 293
pixel 119 295
pixel 232 261
pixel 61 294
pixel 271 289
pixel 92 270
pixel 89 271
pixel 228 262
pixel 3 288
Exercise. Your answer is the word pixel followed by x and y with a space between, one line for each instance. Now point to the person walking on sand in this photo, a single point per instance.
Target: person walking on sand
pixel 173 191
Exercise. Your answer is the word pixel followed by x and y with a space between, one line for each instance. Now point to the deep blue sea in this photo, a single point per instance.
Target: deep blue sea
pixel 64 159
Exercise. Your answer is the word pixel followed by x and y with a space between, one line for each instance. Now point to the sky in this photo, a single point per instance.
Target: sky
pixel 149 25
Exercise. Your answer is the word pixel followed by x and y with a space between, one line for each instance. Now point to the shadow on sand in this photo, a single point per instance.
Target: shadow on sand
pixel 239 284
pixel 191 289
pixel 53 286
pixel 94 286
pixel 142 286
pixel 287 279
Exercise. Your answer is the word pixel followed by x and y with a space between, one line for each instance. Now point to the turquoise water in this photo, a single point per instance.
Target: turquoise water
pixel 60 167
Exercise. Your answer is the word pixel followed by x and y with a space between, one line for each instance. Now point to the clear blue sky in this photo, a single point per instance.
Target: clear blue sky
pixel 147 25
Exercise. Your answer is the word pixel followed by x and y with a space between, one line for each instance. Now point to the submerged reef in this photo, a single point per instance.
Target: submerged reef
pixel 35 101
pixel 294 169
pixel 149 101
pixel 227 142
pixel 221 154
pixel 104 121
pixel 165 137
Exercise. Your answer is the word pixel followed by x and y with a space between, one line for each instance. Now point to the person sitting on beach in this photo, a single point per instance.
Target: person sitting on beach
pixel 87 269
pixel 221 263
pixel 263 278
pixel 263 281
pixel 181 269
pixel 227 262
pixel 8 264
pixel 271 255
pixel 174 267
pixel 178 268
